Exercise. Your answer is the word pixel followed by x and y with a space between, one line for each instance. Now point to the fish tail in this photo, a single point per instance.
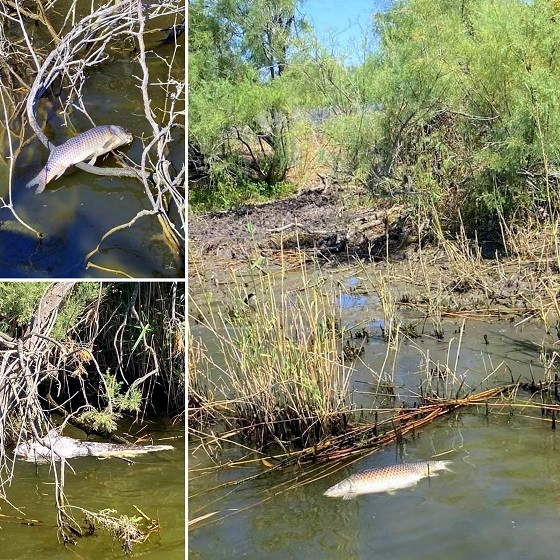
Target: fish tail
pixel 40 179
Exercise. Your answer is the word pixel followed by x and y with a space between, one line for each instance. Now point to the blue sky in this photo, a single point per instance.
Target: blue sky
pixel 338 25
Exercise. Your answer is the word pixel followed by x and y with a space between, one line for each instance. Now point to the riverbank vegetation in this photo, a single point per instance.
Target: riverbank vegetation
pixel 448 108
pixel 282 372
pixel 445 121
pixel 274 357
pixel 88 354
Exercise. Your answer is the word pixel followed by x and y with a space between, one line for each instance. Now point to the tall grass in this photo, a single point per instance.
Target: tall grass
pixel 276 358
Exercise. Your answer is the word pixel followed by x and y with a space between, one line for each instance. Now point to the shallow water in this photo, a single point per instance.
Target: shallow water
pixel 76 210
pixel 155 483
pixel 500 501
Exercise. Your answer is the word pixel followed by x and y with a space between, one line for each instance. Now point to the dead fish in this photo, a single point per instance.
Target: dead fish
pixel 90 144
pixel 57 447
pixel 386 479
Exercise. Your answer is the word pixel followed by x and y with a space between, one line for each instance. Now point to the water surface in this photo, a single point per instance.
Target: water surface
pixel 155 483
pixel 501 501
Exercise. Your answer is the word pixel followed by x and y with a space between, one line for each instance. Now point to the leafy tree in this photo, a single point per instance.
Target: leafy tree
pixel 469 92
pixel 239 106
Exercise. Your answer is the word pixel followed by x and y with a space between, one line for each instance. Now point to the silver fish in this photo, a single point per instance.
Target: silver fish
pixel 57 447
pixel 90 144
pixel 385 479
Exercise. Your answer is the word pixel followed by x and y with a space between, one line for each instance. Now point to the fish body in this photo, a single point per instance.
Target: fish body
pixel 53 445
pixel 386 479
pixel 86 146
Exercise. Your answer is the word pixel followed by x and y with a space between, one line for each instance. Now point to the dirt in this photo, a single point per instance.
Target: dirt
pixel 343 228
pixel 335 223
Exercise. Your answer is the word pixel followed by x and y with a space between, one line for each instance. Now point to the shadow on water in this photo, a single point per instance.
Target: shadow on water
pixel 72 220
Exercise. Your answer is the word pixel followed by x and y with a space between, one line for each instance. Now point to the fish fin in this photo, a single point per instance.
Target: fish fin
pixel 34 181
pixel 92 160
pixel 349 496
pixel 40 180
pixel 54 172
pixel 108 144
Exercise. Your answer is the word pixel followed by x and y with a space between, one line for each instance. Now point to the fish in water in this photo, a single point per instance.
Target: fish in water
pixel 53 445
pixel 87 145
pixel 386 479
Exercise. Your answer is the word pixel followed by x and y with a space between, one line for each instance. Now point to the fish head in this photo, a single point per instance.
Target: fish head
pixel 22 450
pixel 339 490
pixel 124 135
pixel 33 452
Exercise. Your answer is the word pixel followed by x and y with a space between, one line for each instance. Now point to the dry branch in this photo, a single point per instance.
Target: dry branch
pixel 365 439
pixel 80 45
pixel 23 368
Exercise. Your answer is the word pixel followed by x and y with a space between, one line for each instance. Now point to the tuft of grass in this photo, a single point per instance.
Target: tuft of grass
pixel 283 375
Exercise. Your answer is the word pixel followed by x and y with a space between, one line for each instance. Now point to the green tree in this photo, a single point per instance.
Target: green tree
pixel 469 91
pixel 239 106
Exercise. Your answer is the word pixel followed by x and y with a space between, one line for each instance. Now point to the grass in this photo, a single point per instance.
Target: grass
pixel 279 367
pixel 283 377
pixel 274 385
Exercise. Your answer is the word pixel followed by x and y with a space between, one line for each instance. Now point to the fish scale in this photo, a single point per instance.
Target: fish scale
pixel 85 146
pixel 386 479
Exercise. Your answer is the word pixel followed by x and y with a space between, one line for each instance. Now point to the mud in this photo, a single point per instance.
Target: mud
pixel 333 222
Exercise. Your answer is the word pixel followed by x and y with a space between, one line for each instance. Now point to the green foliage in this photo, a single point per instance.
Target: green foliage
pixel 131 400
pixel 83 294
pixel 239 105
pixel 490 69
pixel 18 301
pixel 461 99
pixel 105 421
pixel 99 421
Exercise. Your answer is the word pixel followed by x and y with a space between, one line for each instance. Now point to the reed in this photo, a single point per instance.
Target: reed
pixel 283 375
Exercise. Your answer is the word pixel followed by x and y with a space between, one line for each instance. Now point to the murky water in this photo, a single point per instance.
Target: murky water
pixel 75 211
pixel 502 499
pixel 155 483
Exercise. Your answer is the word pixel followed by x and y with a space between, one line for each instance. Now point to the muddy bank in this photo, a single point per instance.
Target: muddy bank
pixel 344 229
pixel 335 221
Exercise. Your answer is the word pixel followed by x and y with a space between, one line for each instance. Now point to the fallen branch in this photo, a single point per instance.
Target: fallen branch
pixel 365 439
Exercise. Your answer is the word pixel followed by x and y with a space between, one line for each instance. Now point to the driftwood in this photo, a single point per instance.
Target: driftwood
pixel 80 44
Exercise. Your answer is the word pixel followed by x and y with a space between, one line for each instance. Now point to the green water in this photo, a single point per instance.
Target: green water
pixel 155 483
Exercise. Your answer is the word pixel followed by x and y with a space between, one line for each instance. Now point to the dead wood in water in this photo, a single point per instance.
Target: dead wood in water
pixel 83 42
pixel 366 438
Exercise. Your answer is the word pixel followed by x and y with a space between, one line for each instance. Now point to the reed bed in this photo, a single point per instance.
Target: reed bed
pixel 284 372
pixel 282 375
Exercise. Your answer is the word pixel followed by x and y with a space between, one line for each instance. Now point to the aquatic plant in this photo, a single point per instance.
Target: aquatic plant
pixel 283 377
